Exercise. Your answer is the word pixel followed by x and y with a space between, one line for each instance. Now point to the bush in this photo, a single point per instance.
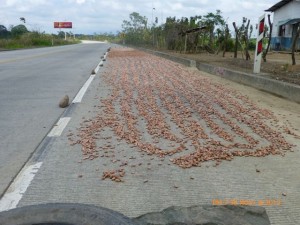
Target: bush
pixel 230 45
pixel 252 44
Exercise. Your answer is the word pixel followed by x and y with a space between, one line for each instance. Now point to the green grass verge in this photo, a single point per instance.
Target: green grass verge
pixel 32 40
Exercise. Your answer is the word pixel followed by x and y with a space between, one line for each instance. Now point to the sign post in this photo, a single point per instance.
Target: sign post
pixel 259 44
pixel 63 25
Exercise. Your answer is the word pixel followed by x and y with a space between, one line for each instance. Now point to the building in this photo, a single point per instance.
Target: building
pixel 286 15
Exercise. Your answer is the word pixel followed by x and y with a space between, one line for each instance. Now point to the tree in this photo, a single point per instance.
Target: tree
pixel 4 33
pixel 243 35
pixel 193 38
pixel 269 40
pixel 236 39
pixel 170 32
pixel 212 20
pixel 296 34
pixel 226 36
pixel 175 33
pixel 246 37
pixel 135 29
pixel 18 30
pixel 61 34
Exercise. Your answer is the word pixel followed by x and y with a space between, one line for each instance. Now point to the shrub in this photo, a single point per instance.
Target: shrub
pixel 230 45
pixel 252 44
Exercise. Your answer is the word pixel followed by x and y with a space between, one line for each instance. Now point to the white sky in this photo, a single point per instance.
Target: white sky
pixel 98 16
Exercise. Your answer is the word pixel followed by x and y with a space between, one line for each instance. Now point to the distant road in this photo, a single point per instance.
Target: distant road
pixel 31 84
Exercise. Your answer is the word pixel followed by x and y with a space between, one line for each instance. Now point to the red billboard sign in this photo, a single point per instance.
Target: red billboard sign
pixel 62 24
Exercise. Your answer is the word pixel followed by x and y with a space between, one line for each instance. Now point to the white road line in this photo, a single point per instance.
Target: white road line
pixel 82 91
pixel 97 69
pixel 59 127
pixel 19 186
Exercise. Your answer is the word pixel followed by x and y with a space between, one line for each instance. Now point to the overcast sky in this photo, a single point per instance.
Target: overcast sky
pixel 99 16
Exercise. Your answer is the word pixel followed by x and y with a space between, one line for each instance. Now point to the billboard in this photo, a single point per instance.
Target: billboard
pixel 62 24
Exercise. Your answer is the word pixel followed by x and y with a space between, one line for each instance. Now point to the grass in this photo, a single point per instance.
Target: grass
pixel 34 39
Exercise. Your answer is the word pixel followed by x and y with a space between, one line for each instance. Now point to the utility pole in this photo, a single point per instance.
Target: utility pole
pixel 152 26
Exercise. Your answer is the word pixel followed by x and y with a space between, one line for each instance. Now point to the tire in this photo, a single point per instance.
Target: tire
pixel 63 214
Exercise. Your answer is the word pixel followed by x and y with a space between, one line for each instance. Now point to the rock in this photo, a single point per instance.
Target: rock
pixel 64 102
pixel 207 214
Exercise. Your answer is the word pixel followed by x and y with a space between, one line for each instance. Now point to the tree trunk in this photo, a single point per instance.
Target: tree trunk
pixel 247 41
pixel 211 37
pixel 185 42
pixel 225 40
pixel 269 41
pixel 296 33
pixel 236 40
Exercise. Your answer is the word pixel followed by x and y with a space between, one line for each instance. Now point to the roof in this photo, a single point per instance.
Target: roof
pixel 278 5
pixel 292 21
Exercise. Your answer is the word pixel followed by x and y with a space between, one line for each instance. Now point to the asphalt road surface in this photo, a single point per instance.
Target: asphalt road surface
pixel 31 84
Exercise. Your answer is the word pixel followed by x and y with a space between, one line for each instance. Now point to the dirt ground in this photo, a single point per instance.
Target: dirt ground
pixel 278 65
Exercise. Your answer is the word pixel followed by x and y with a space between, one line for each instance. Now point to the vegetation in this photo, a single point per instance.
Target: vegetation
pixel 105 37
pixel 20 37
pixel 172 35
pixel 183 35
pixel 177 34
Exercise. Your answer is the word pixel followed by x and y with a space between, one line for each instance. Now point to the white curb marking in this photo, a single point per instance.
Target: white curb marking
pixel 98 66
pixel 19 186
pixel 82 91
pixel 59 127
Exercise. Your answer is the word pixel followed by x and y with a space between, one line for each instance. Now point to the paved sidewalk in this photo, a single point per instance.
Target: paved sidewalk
pixel 173 136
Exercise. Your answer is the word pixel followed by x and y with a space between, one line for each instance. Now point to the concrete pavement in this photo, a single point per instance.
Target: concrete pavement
pixel 152 183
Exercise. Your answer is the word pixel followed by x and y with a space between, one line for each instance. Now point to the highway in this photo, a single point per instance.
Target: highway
pixel 32 82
